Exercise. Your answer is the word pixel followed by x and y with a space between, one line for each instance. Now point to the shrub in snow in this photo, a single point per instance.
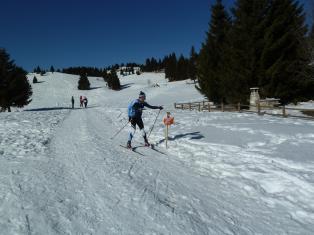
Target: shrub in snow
pixel 113 80
pixel 83 83
pixel 35 80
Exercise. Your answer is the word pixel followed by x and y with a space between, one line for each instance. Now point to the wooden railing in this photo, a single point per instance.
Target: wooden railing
pixel 208 106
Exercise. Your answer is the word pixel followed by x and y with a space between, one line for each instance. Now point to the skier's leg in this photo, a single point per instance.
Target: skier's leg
pixel 141 126
pixel 131 132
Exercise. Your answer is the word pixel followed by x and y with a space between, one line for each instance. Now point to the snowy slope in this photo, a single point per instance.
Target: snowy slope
pixel 224 173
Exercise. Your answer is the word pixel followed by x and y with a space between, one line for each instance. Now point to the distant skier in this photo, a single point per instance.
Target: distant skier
pixel 72 101
pixel 135 110
pixel 81 101
pixel 85 101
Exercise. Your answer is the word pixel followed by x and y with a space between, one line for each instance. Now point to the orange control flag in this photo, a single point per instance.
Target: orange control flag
pixel 168 121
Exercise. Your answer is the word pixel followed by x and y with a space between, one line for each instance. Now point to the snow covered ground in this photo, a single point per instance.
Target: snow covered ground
pixel 223 173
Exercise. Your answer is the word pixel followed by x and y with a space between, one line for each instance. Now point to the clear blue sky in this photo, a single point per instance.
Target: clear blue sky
pixel 98 33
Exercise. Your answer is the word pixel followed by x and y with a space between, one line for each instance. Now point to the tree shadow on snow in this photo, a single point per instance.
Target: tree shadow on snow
pixel 94 88
pixel 47 109
pixel 125 86
pixel 192 136
pixel 57 108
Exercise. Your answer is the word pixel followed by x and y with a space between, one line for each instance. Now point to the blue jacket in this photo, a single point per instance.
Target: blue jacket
pixel 135 108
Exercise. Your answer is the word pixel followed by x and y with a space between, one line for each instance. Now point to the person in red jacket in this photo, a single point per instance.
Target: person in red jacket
pixel 81 101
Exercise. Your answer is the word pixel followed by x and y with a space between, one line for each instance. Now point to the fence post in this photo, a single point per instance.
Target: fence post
pixel 239 107
pixel 208 106
pixel 182 106
pixel 258 108
pixel 203 105
pixel 222 107
pixel 284 114
pixel 175 106
pixel 199 107
pixel 190 106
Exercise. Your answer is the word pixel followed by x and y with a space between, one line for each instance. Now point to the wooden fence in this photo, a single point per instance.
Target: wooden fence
pixel 207 106
pixel 282 111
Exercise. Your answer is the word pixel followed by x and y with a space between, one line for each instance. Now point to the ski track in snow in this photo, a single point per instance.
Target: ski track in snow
pixel 224 173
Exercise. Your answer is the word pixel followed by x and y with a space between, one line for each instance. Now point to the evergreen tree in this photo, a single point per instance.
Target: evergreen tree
pixel 182 69
pixel 15 90
pixel 192 64
pixel 147 67
pixel 212 55
pixel 171 67
pixel 52 69
pixel 90 71
pixel 113 80
pixel 37 70
pixel 35 80
pixel 83 83
pixel 310 43
pixel 154 65
pixel 244 47
pixel 284 59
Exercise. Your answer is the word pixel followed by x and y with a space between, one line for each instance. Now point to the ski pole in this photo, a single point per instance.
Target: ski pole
pixel 154 124
pixel 119 130
pixel 167 130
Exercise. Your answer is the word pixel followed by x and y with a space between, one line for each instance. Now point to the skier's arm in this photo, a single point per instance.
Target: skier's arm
pixel 152 107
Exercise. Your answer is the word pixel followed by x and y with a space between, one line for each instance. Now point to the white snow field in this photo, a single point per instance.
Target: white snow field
pixel 223 173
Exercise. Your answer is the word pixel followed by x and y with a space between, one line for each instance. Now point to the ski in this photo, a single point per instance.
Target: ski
pixel 152 147
pixel 132 149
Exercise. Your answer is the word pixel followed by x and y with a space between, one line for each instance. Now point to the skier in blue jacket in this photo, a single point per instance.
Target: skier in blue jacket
pixel 135 110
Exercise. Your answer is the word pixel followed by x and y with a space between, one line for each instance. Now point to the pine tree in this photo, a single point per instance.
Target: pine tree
pixel 171 67
pixel 83 83
pixel 245 44
pixel 15 90
pixel 182 69
pixel 192 64
pixel 52 69
pixel 210 68
pixel 154 65
pixel 284 58
pixel 35 80
pixel 147 67
pixel 310 44
pixel 113 80
pixel 37 70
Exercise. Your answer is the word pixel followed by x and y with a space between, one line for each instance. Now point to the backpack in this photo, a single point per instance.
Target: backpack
pixel 131 110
